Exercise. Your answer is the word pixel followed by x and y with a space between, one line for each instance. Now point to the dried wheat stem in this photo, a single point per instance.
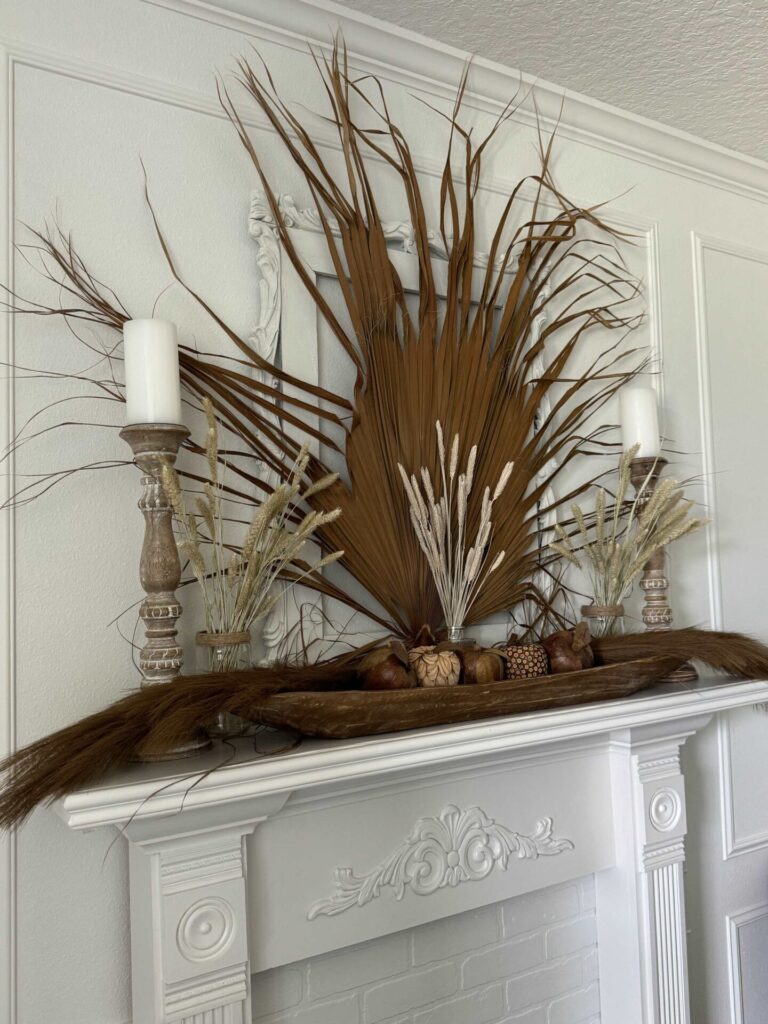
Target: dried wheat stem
pixel 440 528
pixel 237 586
pixel 615 548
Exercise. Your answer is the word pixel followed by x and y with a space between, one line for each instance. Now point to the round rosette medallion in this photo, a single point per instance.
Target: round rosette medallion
pixel 665 809
pixel 206 929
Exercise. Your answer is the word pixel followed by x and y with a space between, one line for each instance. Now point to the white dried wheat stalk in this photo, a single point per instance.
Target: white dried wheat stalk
pixel 440 526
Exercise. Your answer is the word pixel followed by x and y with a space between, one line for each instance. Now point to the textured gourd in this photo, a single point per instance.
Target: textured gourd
pixel 525 661
pixel 434 667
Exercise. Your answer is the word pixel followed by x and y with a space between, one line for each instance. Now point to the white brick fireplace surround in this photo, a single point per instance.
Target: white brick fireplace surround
pixel 532 959
pixel 523 870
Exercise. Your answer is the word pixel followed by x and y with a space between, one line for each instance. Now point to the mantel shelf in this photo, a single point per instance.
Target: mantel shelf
pixel 150 791
pixel 221 884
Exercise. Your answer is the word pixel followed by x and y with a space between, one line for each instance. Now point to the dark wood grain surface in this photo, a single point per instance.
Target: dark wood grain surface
pixel 348 713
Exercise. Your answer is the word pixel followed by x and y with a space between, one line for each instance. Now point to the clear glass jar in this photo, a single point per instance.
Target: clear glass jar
pixel 227 652
pixel 604 619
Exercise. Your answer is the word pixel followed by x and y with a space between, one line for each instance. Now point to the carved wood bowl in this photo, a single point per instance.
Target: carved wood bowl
pixel 342 714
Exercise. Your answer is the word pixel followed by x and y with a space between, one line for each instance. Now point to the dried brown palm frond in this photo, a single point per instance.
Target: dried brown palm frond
pixel 735 654
pixel 471 361
pixel 161 717
pixel 471 356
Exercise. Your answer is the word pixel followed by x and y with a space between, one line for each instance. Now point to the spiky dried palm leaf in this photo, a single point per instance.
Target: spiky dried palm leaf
pixel 470 357
pixel 468 362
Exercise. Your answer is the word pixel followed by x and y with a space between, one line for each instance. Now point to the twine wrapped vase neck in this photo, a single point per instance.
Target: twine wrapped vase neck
pixel 204 639
pixel 604 619
pixel 227 652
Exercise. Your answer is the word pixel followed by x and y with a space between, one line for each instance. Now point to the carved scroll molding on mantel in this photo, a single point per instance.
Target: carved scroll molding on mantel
pixel 447 850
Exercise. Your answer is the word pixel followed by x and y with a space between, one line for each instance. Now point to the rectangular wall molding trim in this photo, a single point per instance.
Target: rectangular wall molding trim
pixel 734 923
pixel 732 844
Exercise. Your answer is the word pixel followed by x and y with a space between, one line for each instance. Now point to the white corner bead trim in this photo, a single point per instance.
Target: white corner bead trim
pixel 458 846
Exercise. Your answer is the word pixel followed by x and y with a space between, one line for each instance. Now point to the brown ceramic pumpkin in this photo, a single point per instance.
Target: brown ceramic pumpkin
pixel 569 650
pixel 387 668
pixel 481 665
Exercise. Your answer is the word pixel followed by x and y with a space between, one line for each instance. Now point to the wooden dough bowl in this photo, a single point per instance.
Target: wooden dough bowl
pixel 346 713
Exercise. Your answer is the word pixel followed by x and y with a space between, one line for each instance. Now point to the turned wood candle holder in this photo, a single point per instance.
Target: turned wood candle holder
pixel 657 611
pixel 161 657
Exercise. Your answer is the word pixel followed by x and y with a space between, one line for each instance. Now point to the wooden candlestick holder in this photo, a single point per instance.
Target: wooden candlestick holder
pixel 161 657
pixel 657 611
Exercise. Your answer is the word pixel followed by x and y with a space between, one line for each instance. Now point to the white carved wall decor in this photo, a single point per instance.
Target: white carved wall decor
pixel 399 233
pixel 456 846
pixel 265 336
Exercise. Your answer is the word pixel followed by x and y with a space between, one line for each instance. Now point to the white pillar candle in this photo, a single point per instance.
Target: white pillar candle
pixel 152 386
pixel 640 421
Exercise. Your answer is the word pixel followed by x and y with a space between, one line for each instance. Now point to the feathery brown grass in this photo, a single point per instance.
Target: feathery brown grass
pixel 237 585
pixel 616 542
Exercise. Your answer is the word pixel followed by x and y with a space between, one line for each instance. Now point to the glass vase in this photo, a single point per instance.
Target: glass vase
pixel 604 619
pixel 227 652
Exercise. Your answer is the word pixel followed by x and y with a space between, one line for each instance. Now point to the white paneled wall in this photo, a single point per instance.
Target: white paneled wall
pixel 90 86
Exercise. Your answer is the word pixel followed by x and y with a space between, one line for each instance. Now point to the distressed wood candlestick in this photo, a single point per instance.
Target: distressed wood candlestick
pixel 161 657
pixel 657 611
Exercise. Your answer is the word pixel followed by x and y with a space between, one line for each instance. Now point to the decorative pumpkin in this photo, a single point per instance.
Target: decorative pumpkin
pixel 434 667
pixel 424 638
pixel 387 668
pixel 569 650
pixel 524 661
pixel 481 665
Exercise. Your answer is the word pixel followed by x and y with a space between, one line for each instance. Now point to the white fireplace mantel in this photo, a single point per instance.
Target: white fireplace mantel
pixel 271 859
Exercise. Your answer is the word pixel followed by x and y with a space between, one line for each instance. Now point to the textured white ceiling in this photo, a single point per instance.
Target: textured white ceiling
pixel 698 65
